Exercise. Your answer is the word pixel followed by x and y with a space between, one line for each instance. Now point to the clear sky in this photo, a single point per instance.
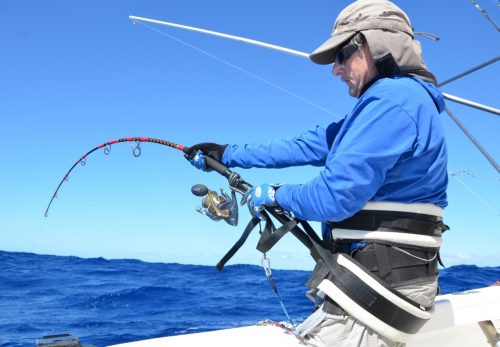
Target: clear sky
pixel 78 73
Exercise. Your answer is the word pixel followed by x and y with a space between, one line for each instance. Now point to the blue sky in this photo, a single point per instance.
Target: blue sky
pixel 77 74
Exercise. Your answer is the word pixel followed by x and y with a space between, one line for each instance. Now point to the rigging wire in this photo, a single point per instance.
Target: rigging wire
pixel 485 13
pixel 234 66
pixel 469 71
pixel 472 138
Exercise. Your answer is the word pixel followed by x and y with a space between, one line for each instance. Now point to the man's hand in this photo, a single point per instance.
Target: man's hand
pixel 259 197
pixel 196 154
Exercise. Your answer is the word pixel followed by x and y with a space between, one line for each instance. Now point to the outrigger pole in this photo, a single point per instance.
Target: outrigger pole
pixel 293 52
pixel 305 55
pixel 226 36
pixel 472 104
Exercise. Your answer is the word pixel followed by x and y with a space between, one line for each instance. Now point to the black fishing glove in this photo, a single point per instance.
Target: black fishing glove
pixel 213 150
pixel 195 154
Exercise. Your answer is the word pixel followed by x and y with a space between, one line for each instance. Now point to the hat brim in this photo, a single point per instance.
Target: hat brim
pixel 325 54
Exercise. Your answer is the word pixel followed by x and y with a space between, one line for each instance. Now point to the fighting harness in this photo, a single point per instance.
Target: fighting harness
pixel 399 245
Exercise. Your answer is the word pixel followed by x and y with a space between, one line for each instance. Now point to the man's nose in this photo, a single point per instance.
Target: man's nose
pixel 336 70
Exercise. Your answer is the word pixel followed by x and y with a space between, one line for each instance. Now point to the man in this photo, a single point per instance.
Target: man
pixel 382 188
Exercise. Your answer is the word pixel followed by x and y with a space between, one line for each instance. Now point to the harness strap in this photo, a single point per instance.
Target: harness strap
pixel 250 226
pixel 310 231
pixel 398 265
pixel 386 304
pixel 408 222
pixel 384 268
pixel 366 295
pixel 271 236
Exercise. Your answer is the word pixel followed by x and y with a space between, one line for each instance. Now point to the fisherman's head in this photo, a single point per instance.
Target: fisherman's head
pixel 384 37
pixel 354 64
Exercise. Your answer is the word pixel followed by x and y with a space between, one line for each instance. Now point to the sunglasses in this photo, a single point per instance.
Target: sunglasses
pixel 345 52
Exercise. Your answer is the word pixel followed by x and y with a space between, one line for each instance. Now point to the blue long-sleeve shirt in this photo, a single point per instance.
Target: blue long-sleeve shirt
pixel 390 147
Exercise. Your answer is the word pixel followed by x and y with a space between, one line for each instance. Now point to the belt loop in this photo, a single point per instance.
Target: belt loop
pixel 383 265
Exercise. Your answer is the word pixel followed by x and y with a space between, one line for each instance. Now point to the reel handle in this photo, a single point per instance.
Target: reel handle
pixel 199 190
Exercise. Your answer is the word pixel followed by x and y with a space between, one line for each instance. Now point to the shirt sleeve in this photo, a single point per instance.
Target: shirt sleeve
pixel 379 133
pixel 311 148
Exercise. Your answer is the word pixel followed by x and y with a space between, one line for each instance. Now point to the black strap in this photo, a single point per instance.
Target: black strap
pixel 384 267
pixel 373 302
pixel 363 295
pixel 310 231
pixel 271 236
pixel 407 222
pixel 440 261
pixel 400 265
pixel 250 226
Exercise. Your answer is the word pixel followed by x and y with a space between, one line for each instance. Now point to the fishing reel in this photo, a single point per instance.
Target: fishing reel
pixel 215 206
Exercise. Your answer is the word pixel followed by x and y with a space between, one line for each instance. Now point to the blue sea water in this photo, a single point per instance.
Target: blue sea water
pixel 106 302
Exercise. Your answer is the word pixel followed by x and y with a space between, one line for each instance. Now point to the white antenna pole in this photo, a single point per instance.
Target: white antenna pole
pixel 295 52
pixel 227 36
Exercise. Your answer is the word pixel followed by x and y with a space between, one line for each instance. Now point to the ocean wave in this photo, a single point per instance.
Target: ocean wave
pixel 112 301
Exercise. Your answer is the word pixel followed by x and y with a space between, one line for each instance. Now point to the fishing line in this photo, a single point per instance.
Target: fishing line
pixel 483 201
pixel 472 174
pixel 249 73
pixel 42 226
pixel 167 183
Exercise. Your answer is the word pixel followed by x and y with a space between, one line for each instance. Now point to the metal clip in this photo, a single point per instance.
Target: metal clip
pixel 266 265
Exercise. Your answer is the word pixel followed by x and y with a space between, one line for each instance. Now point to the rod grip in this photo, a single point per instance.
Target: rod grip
pixel 217 166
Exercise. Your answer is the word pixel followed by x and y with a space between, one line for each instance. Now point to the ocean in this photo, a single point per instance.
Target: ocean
pixel 106 302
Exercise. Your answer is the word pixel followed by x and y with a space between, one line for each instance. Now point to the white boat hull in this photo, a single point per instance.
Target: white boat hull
pixel 470 318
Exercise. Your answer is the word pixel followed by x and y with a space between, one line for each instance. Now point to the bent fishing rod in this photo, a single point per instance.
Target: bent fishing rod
pixel 216 206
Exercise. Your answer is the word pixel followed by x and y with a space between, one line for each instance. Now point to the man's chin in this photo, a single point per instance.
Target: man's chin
pixel 352 92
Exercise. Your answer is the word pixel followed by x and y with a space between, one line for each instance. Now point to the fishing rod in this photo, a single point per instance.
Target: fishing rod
pixel 223 206
pixel 234 179
pixel 216 206
pixel 107 148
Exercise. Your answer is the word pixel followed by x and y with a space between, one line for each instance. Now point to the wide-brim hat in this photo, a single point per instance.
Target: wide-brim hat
pixel 359 16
